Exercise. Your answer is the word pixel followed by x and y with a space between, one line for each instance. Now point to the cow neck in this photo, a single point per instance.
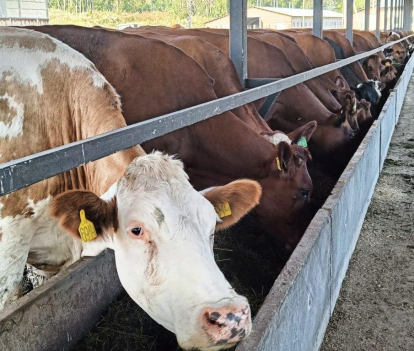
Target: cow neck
pixel 91 117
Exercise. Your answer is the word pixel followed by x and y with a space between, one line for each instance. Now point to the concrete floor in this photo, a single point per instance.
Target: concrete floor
pixel 375 310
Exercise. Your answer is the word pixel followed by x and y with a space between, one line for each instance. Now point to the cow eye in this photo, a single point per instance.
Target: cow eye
pixel 136 231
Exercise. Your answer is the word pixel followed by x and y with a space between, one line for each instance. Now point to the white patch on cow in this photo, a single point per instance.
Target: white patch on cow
pixel 18 232
pixel 359 86
pixel 377 85
pixel 17 58
pixel 277 138
pixel 110 194
pixel 14 128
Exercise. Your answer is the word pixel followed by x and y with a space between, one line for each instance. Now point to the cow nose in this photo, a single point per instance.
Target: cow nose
pixel 305 193
pixel 228 324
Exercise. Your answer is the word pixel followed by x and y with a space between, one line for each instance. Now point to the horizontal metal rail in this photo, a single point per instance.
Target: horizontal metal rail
pixel 17 174
pixel 27 18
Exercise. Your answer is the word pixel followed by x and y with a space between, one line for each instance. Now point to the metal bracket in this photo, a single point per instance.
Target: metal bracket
pixel 258 82
pixel 270 100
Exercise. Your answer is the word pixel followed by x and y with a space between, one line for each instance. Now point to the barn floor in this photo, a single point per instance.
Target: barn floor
pixel 375 310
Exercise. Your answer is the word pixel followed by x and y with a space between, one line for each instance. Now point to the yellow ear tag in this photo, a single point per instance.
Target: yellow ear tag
pixel 278 164
pixel 86 228
pixel 387 64
pixel 223 210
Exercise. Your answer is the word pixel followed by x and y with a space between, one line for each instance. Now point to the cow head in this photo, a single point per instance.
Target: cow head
pixel 399 52
pixel 346 97
pixel 372 66
pixel 370 91
pixel 162 232
pixel 364 111
pixel 388 72
pixel 287 190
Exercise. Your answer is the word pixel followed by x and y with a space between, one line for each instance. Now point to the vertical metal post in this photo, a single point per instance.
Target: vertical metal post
pixel 408 13
pixel 396 15
pixel 317 18
pixel 391 15
pixel 367 10
pixel 378 21
pixel 349 20
pixel 386 15
pixel 399 2
pixel 402 14
pixel 238 37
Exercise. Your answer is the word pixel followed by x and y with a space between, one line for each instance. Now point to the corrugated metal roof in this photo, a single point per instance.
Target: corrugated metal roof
pixel 299 12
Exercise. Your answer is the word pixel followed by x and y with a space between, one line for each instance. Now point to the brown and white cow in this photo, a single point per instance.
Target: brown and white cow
pixel 142 206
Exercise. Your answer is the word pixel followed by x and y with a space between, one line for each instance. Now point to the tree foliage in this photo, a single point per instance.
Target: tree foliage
pixel 184 8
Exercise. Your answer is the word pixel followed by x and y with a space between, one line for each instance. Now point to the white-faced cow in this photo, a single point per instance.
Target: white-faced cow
pixel 142 206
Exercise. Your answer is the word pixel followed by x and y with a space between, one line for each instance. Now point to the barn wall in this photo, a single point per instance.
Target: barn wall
pixel 267 20
pixel 33 9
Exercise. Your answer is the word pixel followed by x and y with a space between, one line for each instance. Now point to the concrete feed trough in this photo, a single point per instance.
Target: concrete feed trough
pixel 296 311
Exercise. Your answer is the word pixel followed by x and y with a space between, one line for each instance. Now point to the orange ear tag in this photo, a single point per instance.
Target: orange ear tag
pixel 278 164
pixel 86 228
pixel 223 210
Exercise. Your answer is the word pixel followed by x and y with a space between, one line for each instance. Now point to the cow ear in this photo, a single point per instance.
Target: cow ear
pixel 284 157
pixel 234 200
pixel 341 83
pixel 305 131
pixel 66 209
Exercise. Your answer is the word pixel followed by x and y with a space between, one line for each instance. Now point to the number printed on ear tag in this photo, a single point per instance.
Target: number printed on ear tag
pixel 86 228
pixel 302 142
pixel 223 210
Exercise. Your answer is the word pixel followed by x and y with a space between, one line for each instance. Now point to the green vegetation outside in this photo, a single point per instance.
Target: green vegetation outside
pixel 112 19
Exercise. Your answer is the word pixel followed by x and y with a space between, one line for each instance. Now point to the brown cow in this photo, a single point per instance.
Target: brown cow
pixel 214 151
pixel 336 131
pixel 376 65
pixel 321 86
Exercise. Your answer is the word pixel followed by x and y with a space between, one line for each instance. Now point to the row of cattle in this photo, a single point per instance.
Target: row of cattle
pixel 60 84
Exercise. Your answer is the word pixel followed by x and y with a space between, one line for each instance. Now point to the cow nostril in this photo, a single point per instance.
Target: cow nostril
pixel 304 193
pixel 213 317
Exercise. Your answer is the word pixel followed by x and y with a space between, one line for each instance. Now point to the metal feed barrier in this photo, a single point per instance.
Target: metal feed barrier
pixel 67 306
pixel 26 171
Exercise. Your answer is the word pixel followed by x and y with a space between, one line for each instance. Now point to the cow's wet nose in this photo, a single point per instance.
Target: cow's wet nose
pixel 228 324
pixel 305 194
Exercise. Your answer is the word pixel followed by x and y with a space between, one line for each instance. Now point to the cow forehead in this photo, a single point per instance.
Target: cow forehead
pixel 156 186
pixel 183 212
pixel 21 46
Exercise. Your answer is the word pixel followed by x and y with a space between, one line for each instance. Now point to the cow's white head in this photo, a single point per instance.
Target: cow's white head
pixel 162 232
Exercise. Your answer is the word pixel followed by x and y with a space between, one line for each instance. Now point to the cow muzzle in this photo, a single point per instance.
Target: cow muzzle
pixel 222 326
